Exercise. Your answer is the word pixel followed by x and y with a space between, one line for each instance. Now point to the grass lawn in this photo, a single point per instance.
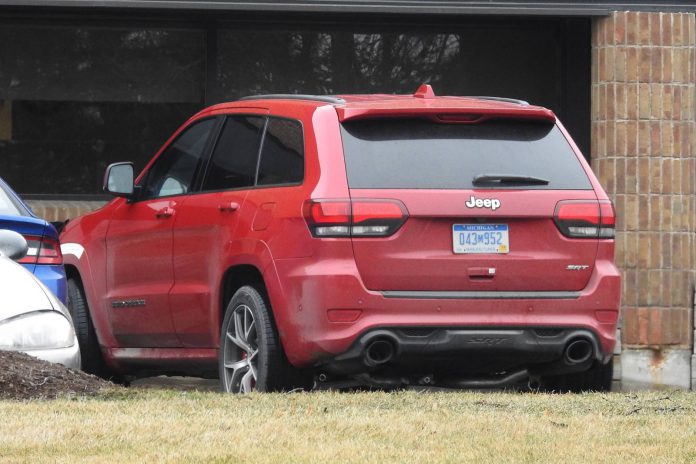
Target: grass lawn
pixel 326 427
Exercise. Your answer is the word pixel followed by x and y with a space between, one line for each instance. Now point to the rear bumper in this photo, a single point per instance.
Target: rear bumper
pixel 439 352
pixel 323 310
pixel 53 277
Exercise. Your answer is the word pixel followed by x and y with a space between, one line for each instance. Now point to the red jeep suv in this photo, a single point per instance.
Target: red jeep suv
pixel 381 240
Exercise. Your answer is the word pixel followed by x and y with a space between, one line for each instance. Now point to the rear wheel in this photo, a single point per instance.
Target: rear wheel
pixel 596 378
pixel 90 352
pixel 251 357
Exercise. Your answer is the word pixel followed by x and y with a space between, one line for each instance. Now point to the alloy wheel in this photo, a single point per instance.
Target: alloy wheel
pixel 240 351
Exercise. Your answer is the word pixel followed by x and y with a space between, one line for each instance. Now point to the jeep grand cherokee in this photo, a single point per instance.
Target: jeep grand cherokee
pixel 381 239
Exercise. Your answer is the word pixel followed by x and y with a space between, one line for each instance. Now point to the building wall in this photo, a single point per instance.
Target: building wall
pixel 644 152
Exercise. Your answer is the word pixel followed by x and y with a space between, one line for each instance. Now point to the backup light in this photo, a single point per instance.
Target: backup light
pixel 331 231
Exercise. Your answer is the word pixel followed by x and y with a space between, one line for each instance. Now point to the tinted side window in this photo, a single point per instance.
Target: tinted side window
pixel 233 164
pixel 282 155
pixel 175 169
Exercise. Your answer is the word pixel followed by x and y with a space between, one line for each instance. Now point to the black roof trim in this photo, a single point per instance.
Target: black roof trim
pixel 565 8
pixel 294 96
pixel 401 7
pixel 398 7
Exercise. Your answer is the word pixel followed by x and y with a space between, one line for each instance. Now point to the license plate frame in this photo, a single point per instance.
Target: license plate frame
pixel 480 238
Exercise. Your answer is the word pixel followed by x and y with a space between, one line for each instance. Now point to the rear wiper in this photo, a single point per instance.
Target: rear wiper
pixel 508 179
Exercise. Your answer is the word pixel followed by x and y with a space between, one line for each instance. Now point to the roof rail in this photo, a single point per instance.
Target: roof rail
pixel 293 96
pixel 503 99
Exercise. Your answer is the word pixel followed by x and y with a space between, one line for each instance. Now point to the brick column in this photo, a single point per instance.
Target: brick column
pixel 644 152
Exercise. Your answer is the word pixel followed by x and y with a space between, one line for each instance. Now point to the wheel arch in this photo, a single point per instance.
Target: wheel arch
pixel 72 271
pixel 266 282
pixel 236 277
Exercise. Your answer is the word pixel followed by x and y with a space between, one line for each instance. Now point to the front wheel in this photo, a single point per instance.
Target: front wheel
pixel 251 357
pixel 90 352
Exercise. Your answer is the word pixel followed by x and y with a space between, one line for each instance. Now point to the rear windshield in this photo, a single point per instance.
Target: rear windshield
pixel 8 205
pixel 420 154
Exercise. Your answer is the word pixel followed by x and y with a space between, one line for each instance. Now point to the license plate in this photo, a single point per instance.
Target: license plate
pixel 480 238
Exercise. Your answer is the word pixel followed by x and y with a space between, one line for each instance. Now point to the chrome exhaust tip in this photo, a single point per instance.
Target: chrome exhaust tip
pixel 578 351
pixel 379 352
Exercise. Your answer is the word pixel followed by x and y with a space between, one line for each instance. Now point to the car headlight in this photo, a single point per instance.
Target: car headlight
pixel 38 330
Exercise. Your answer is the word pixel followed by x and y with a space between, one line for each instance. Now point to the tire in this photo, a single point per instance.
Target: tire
pixel 90 352
pixel 251 357
pixel 596 379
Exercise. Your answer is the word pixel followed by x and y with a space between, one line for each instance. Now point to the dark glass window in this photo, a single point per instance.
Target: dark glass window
pixel 548 59
pixel 176 167
pixel 282 155
pixel 236 153
pixel 416 153
pixel 77 95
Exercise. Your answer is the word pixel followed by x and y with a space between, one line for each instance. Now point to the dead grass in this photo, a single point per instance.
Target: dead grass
pixel 168 426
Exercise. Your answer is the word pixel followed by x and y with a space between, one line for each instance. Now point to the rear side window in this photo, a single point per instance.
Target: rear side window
pixel 420 154
pixel 282 155
pixel 233 164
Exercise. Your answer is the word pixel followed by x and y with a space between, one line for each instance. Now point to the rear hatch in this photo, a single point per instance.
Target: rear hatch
pixel 480 202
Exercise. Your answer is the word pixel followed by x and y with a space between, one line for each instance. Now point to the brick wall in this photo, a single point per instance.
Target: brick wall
pixel 61 210
pixel 644 152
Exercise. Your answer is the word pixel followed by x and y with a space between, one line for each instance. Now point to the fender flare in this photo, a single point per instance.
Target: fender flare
pixel 75 256
pixel 255 253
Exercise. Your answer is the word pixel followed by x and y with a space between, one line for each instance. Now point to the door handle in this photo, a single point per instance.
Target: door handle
pixel 228 207
pixel 165 212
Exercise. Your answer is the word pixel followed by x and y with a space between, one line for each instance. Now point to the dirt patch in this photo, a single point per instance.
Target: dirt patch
pixel 23 377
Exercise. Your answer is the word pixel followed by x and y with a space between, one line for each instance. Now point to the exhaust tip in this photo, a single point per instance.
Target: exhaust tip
pixel 379 352
pixel 578 351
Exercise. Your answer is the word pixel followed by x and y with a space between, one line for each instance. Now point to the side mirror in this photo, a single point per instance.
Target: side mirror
pixel 12 245
pixel 119 179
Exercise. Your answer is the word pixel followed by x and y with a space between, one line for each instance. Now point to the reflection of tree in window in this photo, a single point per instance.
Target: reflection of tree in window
pixel 334 62
pixel 282 156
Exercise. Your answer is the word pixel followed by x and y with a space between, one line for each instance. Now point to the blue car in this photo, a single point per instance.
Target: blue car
pixel 44 258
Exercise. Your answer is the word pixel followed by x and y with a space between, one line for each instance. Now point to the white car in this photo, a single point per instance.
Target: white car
pixel 32 319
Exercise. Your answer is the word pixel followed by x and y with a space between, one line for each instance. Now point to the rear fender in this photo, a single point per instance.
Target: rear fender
pixel 257 254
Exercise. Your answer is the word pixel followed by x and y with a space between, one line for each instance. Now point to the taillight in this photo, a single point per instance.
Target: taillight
pixel 354 218
pixel 585 218
pixel 42 250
